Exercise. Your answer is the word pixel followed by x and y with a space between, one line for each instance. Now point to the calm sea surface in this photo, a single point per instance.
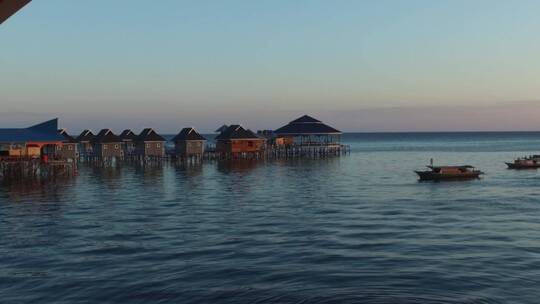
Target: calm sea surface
pixel 358 228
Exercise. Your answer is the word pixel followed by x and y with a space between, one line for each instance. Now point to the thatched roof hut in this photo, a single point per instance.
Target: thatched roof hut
pixel 306 125
pixel 307 130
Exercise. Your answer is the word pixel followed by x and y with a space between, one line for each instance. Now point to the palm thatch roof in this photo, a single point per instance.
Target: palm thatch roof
pixel 306 125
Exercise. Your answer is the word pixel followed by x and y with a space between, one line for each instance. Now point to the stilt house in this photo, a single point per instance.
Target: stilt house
pixel 150 144
pixel 68 149
pixel 107 145
pixel 129 139
pixel 189 143
pixel 85 142
pixel 236 140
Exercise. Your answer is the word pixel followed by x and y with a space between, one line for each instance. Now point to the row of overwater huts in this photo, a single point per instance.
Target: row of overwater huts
pixel 301 137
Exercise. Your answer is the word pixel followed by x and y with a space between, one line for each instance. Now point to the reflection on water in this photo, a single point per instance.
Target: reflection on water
pixel 189 169
pixel 38 190
pixel 238 166
pixel 103 173
pixel 352 229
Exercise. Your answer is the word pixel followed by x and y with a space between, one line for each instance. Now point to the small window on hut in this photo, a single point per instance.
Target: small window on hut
pixel 158 145
pixel 148 145
pixel 105 147
pixel 250 144
pixel 70 147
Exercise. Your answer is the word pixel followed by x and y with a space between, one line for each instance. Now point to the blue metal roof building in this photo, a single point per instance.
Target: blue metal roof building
pixel 45 132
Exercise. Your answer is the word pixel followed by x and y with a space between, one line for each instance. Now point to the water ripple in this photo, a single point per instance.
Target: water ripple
pixel 358 229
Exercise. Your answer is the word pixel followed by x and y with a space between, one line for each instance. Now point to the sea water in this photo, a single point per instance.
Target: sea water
pixel 358 228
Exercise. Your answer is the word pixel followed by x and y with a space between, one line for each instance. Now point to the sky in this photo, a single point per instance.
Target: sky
pixel 360 66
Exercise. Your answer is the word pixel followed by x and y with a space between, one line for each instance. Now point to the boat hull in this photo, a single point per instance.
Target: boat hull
pixel 434 176
pixel 517 166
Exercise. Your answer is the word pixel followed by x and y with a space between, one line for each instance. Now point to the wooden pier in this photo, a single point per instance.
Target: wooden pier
pixel 18 169
pixel 307 151
pixel 210 153
pixel 42 152
pixel 282 152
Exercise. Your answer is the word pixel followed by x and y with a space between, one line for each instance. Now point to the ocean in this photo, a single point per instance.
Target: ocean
pixel 355 229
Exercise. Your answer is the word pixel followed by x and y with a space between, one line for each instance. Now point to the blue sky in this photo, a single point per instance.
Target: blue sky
pixel 359 65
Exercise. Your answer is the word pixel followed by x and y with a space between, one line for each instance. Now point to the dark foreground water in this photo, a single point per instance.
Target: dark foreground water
pixel 355 229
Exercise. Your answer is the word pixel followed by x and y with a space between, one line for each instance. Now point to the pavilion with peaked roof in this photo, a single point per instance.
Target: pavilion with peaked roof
pixel 307 130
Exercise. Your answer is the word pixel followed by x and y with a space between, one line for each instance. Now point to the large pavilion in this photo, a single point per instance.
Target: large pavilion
pixel 307 131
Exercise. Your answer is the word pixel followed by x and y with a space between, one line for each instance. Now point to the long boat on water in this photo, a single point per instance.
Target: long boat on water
pixel 529 162
pixel 438 173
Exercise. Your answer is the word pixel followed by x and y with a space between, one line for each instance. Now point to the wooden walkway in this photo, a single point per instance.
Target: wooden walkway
pixel 283 152
pixel 21 169
pixel 312 151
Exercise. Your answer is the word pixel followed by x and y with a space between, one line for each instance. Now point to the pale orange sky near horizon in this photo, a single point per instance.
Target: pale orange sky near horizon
pixel 523 117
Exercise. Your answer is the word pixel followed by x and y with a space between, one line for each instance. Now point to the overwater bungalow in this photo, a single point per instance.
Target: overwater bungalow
pixel 189 143
pixel 236 141
pixel 68 149
pixel 107 145
pixel 85 142
pixel 307 131
pixel 31 141
pixel 129 139
pixel 150 144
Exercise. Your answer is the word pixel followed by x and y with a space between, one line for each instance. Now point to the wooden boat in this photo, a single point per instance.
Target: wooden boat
pixel 530 162
pixel 438 173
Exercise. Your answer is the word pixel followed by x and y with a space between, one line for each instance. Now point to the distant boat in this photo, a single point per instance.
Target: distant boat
pixel 438 173
pixel 530 162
